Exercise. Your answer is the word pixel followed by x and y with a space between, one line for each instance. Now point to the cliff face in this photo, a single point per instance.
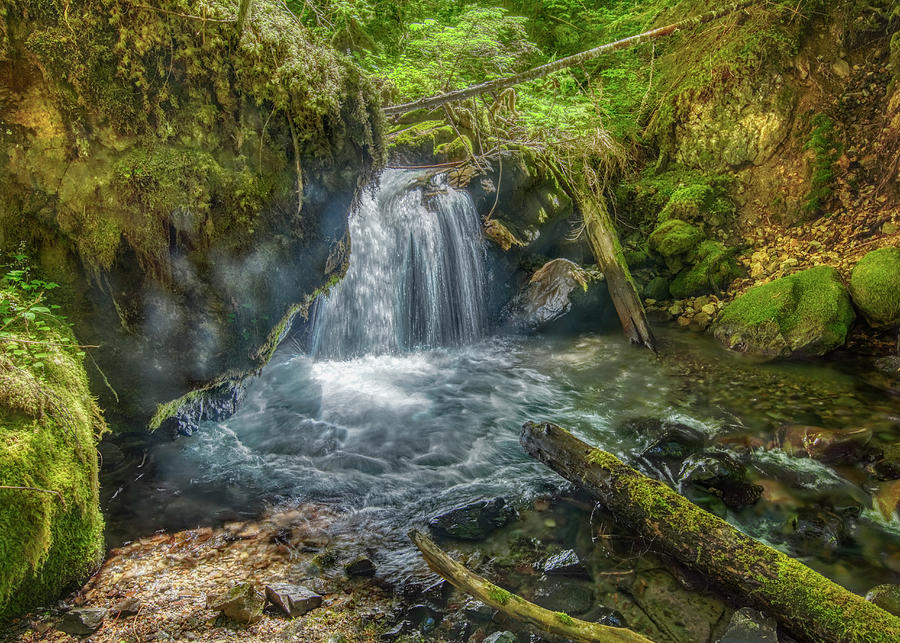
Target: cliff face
pixel 152 161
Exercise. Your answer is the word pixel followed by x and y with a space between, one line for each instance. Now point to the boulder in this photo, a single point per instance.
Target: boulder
pixel 242 603
pixel 362 566
pixel 82 621
pixel 674 238
pixel 804 314
pixel 474 521
pixel 875 287
pixel 552 292
pixel 293 600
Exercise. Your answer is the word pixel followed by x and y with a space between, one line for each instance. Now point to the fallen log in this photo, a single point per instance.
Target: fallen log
pixel 803 601
pixel 516 607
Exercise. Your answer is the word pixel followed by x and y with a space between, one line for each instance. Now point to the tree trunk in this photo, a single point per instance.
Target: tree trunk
pixel 517 607
pixel 563 63
pixel 608 253
pixel 803 601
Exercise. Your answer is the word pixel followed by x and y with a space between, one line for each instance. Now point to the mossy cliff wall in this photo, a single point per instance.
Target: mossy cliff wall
pixel 49 425
pixel 151 162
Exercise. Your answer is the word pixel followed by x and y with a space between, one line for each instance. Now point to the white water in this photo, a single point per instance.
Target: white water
pixel 416 276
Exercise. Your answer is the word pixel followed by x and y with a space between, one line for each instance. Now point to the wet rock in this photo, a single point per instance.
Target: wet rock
pixel 437 593
pixel 82 621
pixel 887 597
pixel 501 637
pixel 475 520
pixel 362 566
pixel 397 631
pixel 825 445
pixel 675 442
pixel 565 563
pixel 749 626
pixel 606 616
pixel 242 603
pixel 478 611
pixel 293 600
pixel 558 595
pixel 423 617
pixel 821 531
pixel 887 498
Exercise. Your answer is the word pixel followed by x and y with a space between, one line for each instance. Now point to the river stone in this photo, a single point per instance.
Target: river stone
pixel 293 600
pixel 362 566
pixel 565 563
pixel 887 597
pixel 825 445
pixel 749 626
pixel 563 595
pixel 475 520
pixel 242 603
pixel 722 472
pixel 805 314
pixel 82 621
pixel 478 611
pixel 550 294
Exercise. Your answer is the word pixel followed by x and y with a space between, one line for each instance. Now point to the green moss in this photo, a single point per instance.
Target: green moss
pixel 423 138
pixel 714 268
pixel 564 618
pixel 807 313
pixel 657 288
pixel 674 237
pixel 875 287
pixel 49 425
pixel 499 595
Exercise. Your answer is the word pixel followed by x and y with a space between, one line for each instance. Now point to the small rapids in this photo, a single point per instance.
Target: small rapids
pixel 405 405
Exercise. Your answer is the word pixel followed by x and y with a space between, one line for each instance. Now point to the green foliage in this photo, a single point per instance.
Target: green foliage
pixel 826 151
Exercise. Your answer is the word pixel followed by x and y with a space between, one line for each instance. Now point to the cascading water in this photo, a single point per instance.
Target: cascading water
pixel 416 276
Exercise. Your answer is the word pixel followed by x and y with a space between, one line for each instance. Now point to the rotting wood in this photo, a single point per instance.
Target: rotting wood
pixel 803 601
pixel 498 84
pixel 516 607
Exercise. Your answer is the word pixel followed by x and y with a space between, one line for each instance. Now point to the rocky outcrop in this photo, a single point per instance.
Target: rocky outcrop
pixel 188 187
pixel 805 314
pixel 875 287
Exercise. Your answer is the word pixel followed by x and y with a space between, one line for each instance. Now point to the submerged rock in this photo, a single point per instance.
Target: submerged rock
pixel 749 626
pixel 721 473
pixel 565 563
pixel 293 600
pixel 826 445
pixel 564 595
pixel 805 314
pixel 875 287
pixel 242 603
pixel 82 621
pixel 475 520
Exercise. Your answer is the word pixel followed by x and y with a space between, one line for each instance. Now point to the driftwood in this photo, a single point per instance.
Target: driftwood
pixel 608 253
pixel 803 601
pixel 516 607
pixel 563 63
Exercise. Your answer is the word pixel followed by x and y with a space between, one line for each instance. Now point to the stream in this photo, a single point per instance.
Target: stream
pixel 403 400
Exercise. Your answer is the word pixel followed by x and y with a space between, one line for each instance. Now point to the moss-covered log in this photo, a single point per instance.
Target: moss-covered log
pixel 514 606
pixel 608 252
pixel 803 601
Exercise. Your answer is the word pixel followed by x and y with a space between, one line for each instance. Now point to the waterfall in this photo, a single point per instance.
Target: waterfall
pixel 416 276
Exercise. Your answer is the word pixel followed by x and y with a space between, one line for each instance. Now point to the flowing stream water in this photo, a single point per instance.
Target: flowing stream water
pixel 405 404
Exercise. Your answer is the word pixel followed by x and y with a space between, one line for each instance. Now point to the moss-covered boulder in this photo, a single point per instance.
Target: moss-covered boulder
pixel 713 268
pixel 189 185
pixel 674 237
pixel 875 287
pixel 427 142
pixel 51 534
pixel 804 314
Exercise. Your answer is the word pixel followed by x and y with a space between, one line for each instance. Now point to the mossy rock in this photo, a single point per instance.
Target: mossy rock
pixel 425 141
pixel 804 314
pixel 49 426
pixel 675 237
pixel 875 287
pixel 715 267
pixel 657 288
